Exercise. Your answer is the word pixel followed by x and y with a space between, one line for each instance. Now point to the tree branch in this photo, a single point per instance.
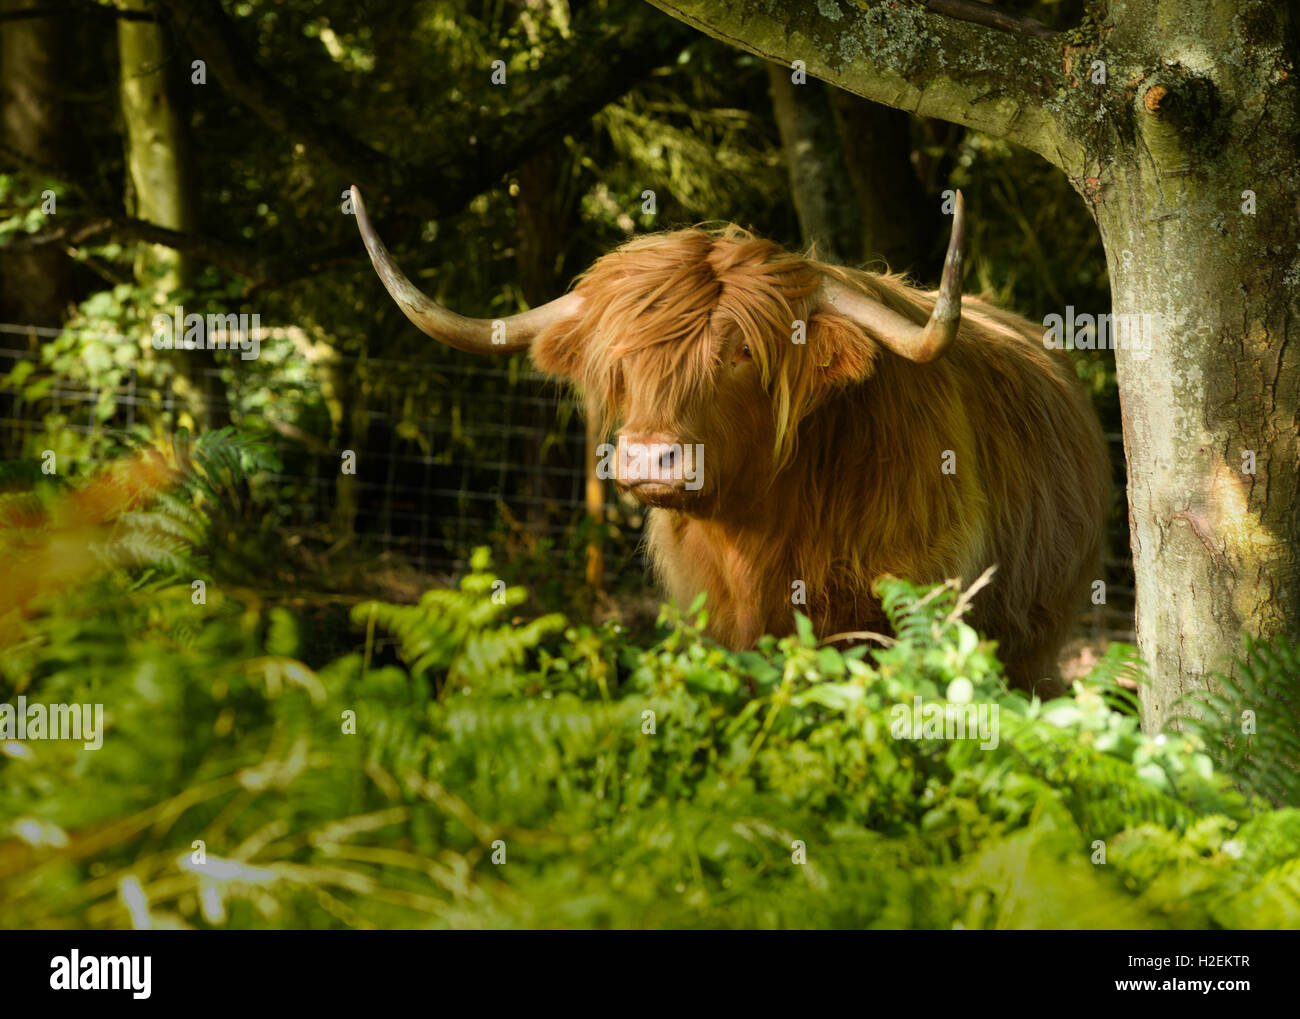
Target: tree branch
pixel 260 270
pixel 900 54
pixel 985 14
pixel 571 87
pixel 216 39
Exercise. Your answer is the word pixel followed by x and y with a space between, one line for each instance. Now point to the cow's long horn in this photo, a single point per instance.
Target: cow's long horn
pixel 473 335
pixel 900 334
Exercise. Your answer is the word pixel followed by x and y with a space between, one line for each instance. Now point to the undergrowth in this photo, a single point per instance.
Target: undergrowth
pixel 472 764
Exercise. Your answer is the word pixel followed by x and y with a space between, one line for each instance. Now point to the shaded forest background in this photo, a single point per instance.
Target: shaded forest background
pixel 197 154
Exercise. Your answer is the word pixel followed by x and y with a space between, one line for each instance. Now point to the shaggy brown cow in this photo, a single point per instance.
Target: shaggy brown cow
pixel 898 432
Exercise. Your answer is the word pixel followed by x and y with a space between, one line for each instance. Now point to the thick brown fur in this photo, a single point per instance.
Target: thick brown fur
pixel 823 459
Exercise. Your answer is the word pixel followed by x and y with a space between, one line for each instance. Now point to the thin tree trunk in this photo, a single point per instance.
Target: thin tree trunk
pixel 347 400
pixel 900 222
pixel 160 178
pixel 828 211
pixel 547 208
pixel 855 189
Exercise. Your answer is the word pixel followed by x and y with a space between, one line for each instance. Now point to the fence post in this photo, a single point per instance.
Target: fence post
pixel 595 500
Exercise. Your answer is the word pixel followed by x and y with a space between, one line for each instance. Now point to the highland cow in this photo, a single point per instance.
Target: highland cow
pixel 851 426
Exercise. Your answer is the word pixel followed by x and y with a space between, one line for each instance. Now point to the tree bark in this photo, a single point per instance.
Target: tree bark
pixel 1212 412
pixel 829 217
pixel 1199 103
pixel 160 176
pixel 850 172
pixel 159 171
pixel 877 143
pixel 35 286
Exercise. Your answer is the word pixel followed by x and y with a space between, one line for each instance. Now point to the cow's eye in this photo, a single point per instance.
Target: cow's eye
pixel 744 351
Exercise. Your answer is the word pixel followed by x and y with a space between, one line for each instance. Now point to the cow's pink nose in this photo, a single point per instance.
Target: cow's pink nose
pixel 650 458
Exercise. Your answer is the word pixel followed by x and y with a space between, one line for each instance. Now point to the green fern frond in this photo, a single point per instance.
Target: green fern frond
pixel 1251 723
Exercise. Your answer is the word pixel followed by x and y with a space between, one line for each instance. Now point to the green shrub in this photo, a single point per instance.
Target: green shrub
pixel 471 765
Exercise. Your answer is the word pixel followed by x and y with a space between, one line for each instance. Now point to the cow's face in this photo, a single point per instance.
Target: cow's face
pixel 701 349
pixel 708 350
pixel 695 341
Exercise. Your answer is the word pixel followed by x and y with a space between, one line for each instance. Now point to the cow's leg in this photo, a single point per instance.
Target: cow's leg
pixel 1037 670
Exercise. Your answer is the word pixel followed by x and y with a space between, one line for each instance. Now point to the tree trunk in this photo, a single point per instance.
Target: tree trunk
pixel 877 143
pixel 36 287
pixel 547 208
pixel 829 218
pixel 850 172
pixel 346 393
pixel 160 178
pixel 1170 117
pixel 1212 410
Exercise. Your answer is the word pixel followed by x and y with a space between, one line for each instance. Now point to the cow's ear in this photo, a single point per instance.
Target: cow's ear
pixel 558 351
pixel 843 352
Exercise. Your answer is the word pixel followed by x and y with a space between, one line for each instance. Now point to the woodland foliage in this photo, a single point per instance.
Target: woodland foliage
pixel 468 761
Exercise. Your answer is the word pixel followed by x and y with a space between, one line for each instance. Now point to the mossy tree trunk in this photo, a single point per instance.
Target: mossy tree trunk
pixel 1199 209
pixel 161 188
pixel 1179 123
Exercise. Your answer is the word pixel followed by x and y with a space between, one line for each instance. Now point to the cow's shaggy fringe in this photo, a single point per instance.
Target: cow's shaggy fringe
pixel 823 467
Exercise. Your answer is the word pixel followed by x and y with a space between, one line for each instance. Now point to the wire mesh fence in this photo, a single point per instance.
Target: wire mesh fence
pixel 466 468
